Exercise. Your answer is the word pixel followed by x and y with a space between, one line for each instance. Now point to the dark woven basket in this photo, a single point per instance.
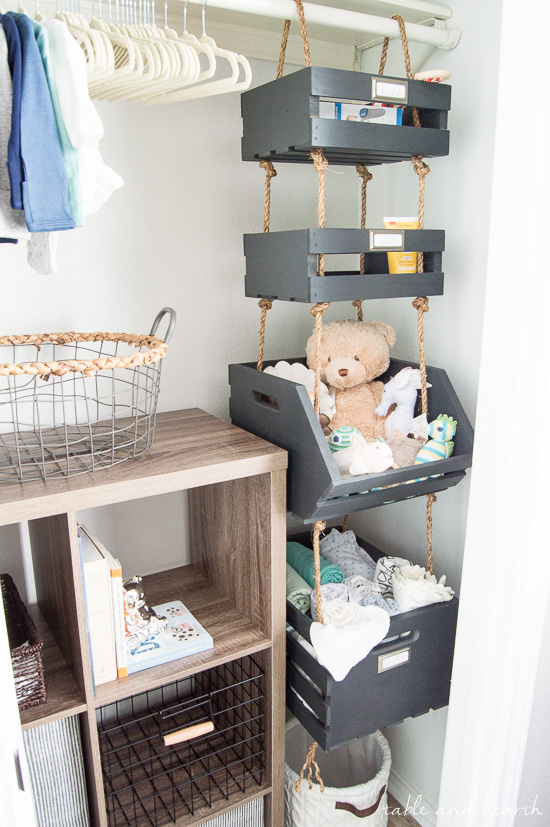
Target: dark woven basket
pixel 26 647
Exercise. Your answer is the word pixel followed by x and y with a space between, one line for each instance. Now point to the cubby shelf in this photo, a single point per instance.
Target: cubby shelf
pixel 281 119
pixel 221 467
pixel 284 265
pixel 233 633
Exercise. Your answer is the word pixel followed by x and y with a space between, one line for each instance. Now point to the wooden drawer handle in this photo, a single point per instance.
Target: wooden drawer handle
pixel 188 732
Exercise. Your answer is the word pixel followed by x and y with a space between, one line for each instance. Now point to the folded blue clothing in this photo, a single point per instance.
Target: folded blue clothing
pixel 36 167
pixel 301 560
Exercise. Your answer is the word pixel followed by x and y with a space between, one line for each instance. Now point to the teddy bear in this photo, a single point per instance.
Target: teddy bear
pixel 353 355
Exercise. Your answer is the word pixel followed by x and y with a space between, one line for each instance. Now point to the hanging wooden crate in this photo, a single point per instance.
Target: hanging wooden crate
pixel 281 119
pixel 281 412
pixel 284 265
pixel 406 675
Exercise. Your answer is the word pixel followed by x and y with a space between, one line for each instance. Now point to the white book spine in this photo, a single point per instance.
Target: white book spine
pixel 118 622
pixel 98 594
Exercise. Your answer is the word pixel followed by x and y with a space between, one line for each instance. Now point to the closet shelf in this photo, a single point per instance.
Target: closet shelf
pixel 284 265
pixel 281 412
pixel 234 635
pixel 64 696
pixel 400 678
pixel 281 119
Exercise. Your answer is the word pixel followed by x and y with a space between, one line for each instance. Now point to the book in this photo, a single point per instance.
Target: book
pixel 86 616
pixel 97 584
pixel 117 603
pixel 180 635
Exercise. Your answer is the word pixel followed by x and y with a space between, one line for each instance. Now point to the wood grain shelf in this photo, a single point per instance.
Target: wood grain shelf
pixel 64 696
pixel 234 635
pixel 235 583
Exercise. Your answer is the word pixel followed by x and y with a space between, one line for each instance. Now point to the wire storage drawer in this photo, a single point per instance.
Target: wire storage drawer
pixel 158 767
pixel 406 675
pixel 284 265
pixel 280 411
pixel 281 119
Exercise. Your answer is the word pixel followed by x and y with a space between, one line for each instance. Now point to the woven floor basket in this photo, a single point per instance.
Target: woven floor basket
pixel 25 646
pixel 77 402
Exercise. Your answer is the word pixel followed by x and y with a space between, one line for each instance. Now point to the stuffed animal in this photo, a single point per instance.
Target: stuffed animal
pixel 402 391
pixel 353 355
pixel 298 373
pixel 440 446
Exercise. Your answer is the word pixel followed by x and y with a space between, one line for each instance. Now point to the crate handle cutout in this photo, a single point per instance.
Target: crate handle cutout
pixel 269 402
pixel 368 811
pixel 187 733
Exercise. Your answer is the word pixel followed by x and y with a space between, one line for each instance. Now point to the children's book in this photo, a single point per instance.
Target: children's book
pixel 178 635
pixel 117 601
pixel 97 584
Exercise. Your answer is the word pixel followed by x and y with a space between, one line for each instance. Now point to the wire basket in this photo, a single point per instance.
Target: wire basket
pixel 158 767
pixel 89 403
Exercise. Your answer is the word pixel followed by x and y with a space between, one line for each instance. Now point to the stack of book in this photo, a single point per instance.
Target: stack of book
pixel 118 645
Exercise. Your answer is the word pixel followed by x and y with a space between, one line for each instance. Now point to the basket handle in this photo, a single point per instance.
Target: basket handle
pixel 171 324
pixel 187 733
pixel 368 811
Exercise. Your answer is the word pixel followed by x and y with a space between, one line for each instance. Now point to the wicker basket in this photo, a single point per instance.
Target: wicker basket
pixel 77 402
pixel 26 647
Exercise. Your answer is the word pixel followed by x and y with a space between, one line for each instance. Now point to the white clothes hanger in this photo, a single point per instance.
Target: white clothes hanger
pixel 216 87
pixel 195 44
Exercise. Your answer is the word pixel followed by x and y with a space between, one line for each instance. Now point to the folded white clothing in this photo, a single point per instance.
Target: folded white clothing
pixel 368 593
pixel 42 252
pixel 331 592
pixel 385 568
pixel 413 587
pixel 347 635
pixel 361 585
pixel 342 549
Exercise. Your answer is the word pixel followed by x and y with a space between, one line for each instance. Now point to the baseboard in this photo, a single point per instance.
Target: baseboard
pixel 412 802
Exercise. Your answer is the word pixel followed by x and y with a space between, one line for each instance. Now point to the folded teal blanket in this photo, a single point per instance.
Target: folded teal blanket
pixel 298 592
pixel 301 560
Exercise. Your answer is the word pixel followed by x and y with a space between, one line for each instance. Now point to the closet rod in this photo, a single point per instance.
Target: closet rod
pixel 349 20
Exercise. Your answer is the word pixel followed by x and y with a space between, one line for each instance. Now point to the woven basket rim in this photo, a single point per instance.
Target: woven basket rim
pixel 156 350
pixel 35 643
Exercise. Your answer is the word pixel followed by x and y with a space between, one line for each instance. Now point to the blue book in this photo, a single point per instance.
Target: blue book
pixel 183 636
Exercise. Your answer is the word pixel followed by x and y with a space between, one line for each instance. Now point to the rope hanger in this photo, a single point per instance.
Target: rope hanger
pixel 421 305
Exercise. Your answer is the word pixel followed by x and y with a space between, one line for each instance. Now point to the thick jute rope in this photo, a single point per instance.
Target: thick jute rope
pixel 421 170
pixel 310 764
pixel 265 305
pixel 320 164
pixel 317 311
pixel 270 172
pixel 405 45
pixel 422 305
pixel 345 523
pixel 366 177
pixel 284 41
pixel 156 349
pixel 313 772
pixel 431 498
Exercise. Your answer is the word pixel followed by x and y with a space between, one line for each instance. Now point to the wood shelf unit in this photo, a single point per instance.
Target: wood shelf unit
pixel 235 583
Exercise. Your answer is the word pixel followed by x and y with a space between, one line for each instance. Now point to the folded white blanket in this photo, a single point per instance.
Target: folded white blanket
pixel 342 549
pixel 347 635
pixel 413 587
pixel 385 568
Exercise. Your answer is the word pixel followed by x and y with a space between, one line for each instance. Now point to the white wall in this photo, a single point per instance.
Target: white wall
pixel 458 201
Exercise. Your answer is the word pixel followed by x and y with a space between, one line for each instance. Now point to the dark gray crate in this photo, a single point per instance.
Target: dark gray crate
pixel 369 699
pixel 284 265
pixel 281 412
pixel 281 120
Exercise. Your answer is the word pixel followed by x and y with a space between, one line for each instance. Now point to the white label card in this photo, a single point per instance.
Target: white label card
pixel 394 659
pixel 394 91
pixel 384 240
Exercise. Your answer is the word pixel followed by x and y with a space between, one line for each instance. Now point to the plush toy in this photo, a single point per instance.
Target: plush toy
pixel 440 446
pixel 298 373
pixel 402 391
pixel 373 458
pixel 353 355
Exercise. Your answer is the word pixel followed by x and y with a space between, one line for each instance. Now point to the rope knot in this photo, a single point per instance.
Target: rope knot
pixel 363 171
pixel 266 304
pixel 320 163
pixel 319 309
pixel 431 498
pixel 420 167
pixel 421 303
pixel 270 170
